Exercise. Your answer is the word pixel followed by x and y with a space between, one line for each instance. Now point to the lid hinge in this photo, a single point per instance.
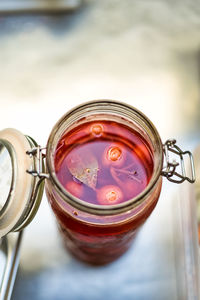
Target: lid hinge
pixel 175 171
pixel 38 171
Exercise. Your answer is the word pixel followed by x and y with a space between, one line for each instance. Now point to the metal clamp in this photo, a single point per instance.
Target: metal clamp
pixel 36 152
pixel 170 170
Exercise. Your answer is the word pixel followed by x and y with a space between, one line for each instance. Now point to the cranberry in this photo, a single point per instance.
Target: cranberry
pixel 114 155
pixel 97 129
pixel 76 189
pixel 109 195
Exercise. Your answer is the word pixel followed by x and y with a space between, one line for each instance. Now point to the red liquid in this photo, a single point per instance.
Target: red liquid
pixel 103 163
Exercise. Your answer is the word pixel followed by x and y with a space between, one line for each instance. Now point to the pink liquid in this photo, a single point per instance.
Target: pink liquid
pixel 103 163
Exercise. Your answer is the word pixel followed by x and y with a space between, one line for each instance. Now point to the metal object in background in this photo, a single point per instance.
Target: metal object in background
pixel 10 249
pixel 26 6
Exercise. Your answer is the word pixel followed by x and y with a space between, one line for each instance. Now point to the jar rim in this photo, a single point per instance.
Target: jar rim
pixel 81 204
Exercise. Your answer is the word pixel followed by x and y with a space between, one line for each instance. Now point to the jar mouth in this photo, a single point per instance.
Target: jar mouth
pixel 104 107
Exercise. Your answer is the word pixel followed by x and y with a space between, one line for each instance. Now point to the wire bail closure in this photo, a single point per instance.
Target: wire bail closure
pixel 36 152
pixel 170 170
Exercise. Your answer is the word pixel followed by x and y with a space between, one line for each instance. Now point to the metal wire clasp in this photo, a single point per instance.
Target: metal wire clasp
pixel 36 152
pixel 170 169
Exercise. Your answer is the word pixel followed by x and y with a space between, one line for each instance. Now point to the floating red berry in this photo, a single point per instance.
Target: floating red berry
pixel 114 155
pixel 75 188
pixel 97 129
pixel 109 195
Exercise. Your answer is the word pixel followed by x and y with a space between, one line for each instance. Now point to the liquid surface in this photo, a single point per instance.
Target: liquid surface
pixel 103 162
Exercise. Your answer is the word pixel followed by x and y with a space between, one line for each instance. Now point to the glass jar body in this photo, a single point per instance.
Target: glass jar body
pixel 94 233
pixel 99 239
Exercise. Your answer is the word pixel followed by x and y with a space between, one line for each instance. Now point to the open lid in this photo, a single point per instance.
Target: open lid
pixel 20 192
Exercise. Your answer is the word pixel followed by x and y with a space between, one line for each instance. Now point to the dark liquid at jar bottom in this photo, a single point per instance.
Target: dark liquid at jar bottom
pixel 102 163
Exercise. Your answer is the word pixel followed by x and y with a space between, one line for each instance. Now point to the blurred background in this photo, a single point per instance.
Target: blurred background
pixel 145 53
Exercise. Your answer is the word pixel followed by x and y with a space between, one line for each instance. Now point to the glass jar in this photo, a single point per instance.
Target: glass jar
pixel 95 234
